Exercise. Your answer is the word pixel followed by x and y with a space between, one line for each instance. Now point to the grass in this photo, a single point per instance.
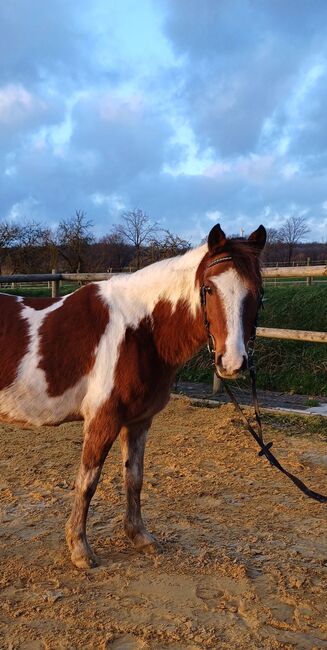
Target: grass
pixel 40 291
pixel 295 425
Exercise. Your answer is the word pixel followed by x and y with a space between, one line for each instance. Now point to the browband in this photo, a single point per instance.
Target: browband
pixel 220 259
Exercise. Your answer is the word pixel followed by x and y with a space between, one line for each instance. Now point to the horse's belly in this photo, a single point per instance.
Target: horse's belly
pixel 28 403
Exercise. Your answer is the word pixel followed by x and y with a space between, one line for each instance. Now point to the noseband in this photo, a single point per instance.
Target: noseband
pixel 211 345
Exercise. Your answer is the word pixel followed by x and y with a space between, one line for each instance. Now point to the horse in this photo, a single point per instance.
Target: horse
pixel 109 352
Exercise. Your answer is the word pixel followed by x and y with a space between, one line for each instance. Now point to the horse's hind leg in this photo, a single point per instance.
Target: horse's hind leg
pixel 95 449
pixel 132 441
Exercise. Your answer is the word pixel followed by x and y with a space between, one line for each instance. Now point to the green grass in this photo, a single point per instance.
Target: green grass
pixel 39 292
pixel 295 425
pixel 289 366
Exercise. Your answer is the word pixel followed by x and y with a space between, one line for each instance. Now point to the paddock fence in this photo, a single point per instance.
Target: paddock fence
pixel 305 272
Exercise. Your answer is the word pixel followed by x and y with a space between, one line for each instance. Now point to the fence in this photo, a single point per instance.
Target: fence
pixel 268 272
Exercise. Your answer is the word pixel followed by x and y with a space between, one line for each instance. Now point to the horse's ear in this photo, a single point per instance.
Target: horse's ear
pixel 216 238
pixel 258 238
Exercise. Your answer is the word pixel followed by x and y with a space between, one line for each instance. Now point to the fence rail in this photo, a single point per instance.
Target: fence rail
pixel 267 272
pixel 294 271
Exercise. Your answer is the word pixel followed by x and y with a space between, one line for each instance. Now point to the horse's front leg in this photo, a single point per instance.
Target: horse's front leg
pixel 99 437
pixel 132 441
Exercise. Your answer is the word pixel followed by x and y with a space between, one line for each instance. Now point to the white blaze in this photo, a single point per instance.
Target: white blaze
pixel 232 292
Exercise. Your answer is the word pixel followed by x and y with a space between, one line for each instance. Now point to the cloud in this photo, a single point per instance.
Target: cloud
pixel 242 62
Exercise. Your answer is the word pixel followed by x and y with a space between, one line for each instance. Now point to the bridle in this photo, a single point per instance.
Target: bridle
pixel 257 435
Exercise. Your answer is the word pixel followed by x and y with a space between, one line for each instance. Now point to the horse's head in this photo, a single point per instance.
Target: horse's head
pixel 231 296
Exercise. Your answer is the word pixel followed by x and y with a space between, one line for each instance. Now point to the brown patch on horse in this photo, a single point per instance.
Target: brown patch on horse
pixel 176 331
pixel 14 338
pixel 69 336
pixel 39 303
pixel 100 434
pixel 250 311
pixel 142 376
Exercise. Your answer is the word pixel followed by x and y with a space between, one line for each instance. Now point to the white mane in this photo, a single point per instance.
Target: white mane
pixel 172 279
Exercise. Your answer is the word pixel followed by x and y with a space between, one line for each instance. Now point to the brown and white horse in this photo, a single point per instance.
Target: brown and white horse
pixel 108 354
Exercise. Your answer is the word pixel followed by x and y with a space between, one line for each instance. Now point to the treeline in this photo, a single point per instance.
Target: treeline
pixel 285 246
pixel 136 241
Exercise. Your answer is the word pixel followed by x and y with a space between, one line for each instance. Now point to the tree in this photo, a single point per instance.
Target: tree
pixel 273 236
pixel 8 236
pixel 167 246
pixel 292 232
pixel 114 251
pixel 136 229
pixel 73 238
pixel 27 252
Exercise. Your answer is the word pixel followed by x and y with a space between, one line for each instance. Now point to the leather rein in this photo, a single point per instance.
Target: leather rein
pixel 257 435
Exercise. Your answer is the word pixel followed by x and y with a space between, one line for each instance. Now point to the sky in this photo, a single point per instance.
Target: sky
pixel 195 111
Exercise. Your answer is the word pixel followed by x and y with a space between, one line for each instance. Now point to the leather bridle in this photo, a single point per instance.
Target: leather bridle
pixel 258 436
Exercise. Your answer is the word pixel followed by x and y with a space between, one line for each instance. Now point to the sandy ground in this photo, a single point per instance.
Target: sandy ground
pixel 244 561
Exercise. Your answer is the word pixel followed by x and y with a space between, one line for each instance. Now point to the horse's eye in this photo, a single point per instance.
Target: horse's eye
pixel 208 290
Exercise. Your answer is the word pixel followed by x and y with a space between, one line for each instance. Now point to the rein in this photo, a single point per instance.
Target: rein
pixel 258 436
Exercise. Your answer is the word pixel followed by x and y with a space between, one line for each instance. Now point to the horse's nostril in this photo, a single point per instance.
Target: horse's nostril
pixel 243 366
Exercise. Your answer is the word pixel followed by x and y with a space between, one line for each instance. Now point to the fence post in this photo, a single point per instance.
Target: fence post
pixel 309 280
pixel 217 386
pixel 54 285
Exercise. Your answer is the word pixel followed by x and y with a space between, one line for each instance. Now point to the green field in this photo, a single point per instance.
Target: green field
pixel 289 366
pixel 39 291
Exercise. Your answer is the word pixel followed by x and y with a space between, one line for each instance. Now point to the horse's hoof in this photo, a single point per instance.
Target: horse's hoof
pixel 87 561
pixel 146 543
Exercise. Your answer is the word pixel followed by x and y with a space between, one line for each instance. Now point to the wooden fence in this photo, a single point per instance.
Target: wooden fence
pixel 268 272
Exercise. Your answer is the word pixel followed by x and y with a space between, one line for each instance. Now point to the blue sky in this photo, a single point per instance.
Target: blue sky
pixel 194 111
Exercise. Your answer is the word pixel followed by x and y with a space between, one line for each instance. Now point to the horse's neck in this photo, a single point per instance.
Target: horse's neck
pixel 166 293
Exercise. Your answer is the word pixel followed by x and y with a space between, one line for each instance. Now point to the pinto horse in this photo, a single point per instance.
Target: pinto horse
pixel 108 354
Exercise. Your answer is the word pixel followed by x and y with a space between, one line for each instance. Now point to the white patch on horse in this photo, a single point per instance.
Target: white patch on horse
pixel 27 400
pixel 232 291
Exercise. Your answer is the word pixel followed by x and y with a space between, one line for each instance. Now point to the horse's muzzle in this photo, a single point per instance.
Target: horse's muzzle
pixel 230 373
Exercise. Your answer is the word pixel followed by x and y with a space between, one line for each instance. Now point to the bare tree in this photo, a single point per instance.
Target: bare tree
pixel 28 252
pixel 114 251
pixel 292 232
pixel 73 237
pixel 167 246
pixel 8 236
pixel 273 236
pixel 136 229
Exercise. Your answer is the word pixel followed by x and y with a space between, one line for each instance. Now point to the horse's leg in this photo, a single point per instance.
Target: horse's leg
pixel 132 441
pixel 97 443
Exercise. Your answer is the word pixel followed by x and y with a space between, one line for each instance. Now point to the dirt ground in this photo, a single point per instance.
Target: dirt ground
pixel 244 561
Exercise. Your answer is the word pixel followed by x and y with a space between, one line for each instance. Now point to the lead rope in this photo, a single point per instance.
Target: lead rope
pixel 258 437
pixel 265 448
